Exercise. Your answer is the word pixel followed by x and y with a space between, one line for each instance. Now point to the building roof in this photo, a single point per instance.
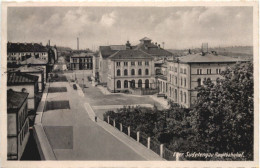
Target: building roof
pixel 106 51
pixel 83 54
pixel 15 100
pixel 129 54
pixel 30 69
pixel 33 60
pixel 25 47
pixel 163 77
pixel 19 78
pixel 153 49
pixel 145 39
pixel 207 58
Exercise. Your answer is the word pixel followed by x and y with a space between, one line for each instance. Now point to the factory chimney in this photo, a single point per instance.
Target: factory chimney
pixel 77 43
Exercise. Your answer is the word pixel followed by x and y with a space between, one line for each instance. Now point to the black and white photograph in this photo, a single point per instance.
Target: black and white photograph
pixel 171 83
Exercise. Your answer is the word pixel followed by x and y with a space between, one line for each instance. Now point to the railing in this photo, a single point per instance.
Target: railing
pixel 148 142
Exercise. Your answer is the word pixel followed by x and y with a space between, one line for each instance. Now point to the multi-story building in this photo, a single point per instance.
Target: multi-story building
pixel 18 52
pixel 17 124
pixel 130 70
pixel 188 72
pixel 81 61
pixel 22 82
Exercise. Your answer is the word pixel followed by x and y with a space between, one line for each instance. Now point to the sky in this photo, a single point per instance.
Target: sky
pixel 177 27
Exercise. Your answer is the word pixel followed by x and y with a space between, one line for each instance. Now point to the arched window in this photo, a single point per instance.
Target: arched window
pixel 118 73
pixel 132 72
pixel 176 95
pixel 181 96
pixel 118 84
pixel 125 72
pixel 170 92
pixel 199 82
pixel 146 71
pixel 133 84
pixel 140 83
pixel 139 72
pixel 125 84
pixel 147 83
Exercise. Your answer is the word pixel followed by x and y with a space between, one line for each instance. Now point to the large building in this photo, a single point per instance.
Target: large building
pixel 81 61
pixel 186 73
pixel 17 124
pixel 18 52
pixel 23 82
pixel 130 70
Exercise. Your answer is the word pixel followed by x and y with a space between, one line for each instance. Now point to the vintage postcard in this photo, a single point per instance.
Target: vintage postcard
pixel 129 84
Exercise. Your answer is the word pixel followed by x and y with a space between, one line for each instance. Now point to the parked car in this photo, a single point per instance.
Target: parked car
pixel 74 86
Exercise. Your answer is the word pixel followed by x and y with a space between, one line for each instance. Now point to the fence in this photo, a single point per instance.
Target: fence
pixel 148 142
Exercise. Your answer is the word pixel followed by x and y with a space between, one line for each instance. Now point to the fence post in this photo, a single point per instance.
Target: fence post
pixel 128 130
pixel 137 136
pixel 121 127
pixel 161 150
pixel 108 119
pixel 177 156
pixel 114 123
pixel 148 142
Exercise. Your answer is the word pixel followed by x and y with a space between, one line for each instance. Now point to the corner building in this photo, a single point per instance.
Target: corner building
pixel 186 73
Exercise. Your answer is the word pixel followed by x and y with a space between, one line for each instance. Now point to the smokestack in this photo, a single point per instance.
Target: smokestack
pixel 77 43
pixel 49 42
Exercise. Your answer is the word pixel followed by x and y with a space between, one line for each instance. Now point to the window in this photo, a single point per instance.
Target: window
pixel 199 71
pixel 181 70
pixel 185 82
pixel 125 72
pixel 117 63
pixel 170 78
pixel 118 84
pixel 146 62
pixel 133 84
pixel 132 72
pixel 181 81
pixel 132 63
pixel 175 69
pixel 218 71
pixel 208 71
pixel 185 97
pixel 176 95
pixel 147 83
pixel 140 72
pixel 184 71
pixel 118 73
pixel 139 62
pixel 146 71
pixel 199 82
pixel 125 63
pixel 181 96
pixel 125 84
pixel 176 80
pixel 140 83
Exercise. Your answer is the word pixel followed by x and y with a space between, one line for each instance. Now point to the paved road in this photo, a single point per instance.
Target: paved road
pixel 73 136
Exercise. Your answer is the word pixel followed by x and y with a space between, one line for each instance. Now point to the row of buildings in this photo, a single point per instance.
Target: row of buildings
pixel 147 68
pixel 28 66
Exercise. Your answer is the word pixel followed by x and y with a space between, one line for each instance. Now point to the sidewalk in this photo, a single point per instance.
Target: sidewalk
pixel 131 143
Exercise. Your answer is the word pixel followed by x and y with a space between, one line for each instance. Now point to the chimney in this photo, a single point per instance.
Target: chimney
pixel 49 42
pixel 204 48
pixel 159 46
pixel 77 43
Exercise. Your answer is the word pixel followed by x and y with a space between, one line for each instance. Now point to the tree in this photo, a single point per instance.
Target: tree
pixel 223 113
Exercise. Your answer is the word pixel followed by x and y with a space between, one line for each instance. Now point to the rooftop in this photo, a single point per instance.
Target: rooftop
pixel 15 99
pixel 106 51
pixel 129 54
pixel 18 78
pixel 207 58
pixel 33 60
pixel 25 47
pixel 83 54
pixel 145 39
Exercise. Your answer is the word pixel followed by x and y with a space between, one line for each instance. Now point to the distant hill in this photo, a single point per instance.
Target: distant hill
pixel 235 51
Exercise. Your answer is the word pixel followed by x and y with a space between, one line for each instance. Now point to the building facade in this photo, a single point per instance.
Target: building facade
pixel 130 69
pixel 18 52
pixel 17 124
pixel 81 61
pixel 186 73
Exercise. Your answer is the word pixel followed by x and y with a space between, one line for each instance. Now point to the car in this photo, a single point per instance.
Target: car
pixel 74 86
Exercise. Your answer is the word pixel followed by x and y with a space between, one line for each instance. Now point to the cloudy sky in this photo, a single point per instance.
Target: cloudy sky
pixel 178 27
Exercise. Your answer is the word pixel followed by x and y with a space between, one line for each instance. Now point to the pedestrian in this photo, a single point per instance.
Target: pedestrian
pixel 96 118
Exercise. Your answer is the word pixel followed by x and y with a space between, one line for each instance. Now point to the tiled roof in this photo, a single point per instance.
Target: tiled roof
pixel 207 58
pixel 15 99
pixel 129 54
pixel 153 49
pixel 18 78
pixel 25 47
pixel 106 51
pixel 33 60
